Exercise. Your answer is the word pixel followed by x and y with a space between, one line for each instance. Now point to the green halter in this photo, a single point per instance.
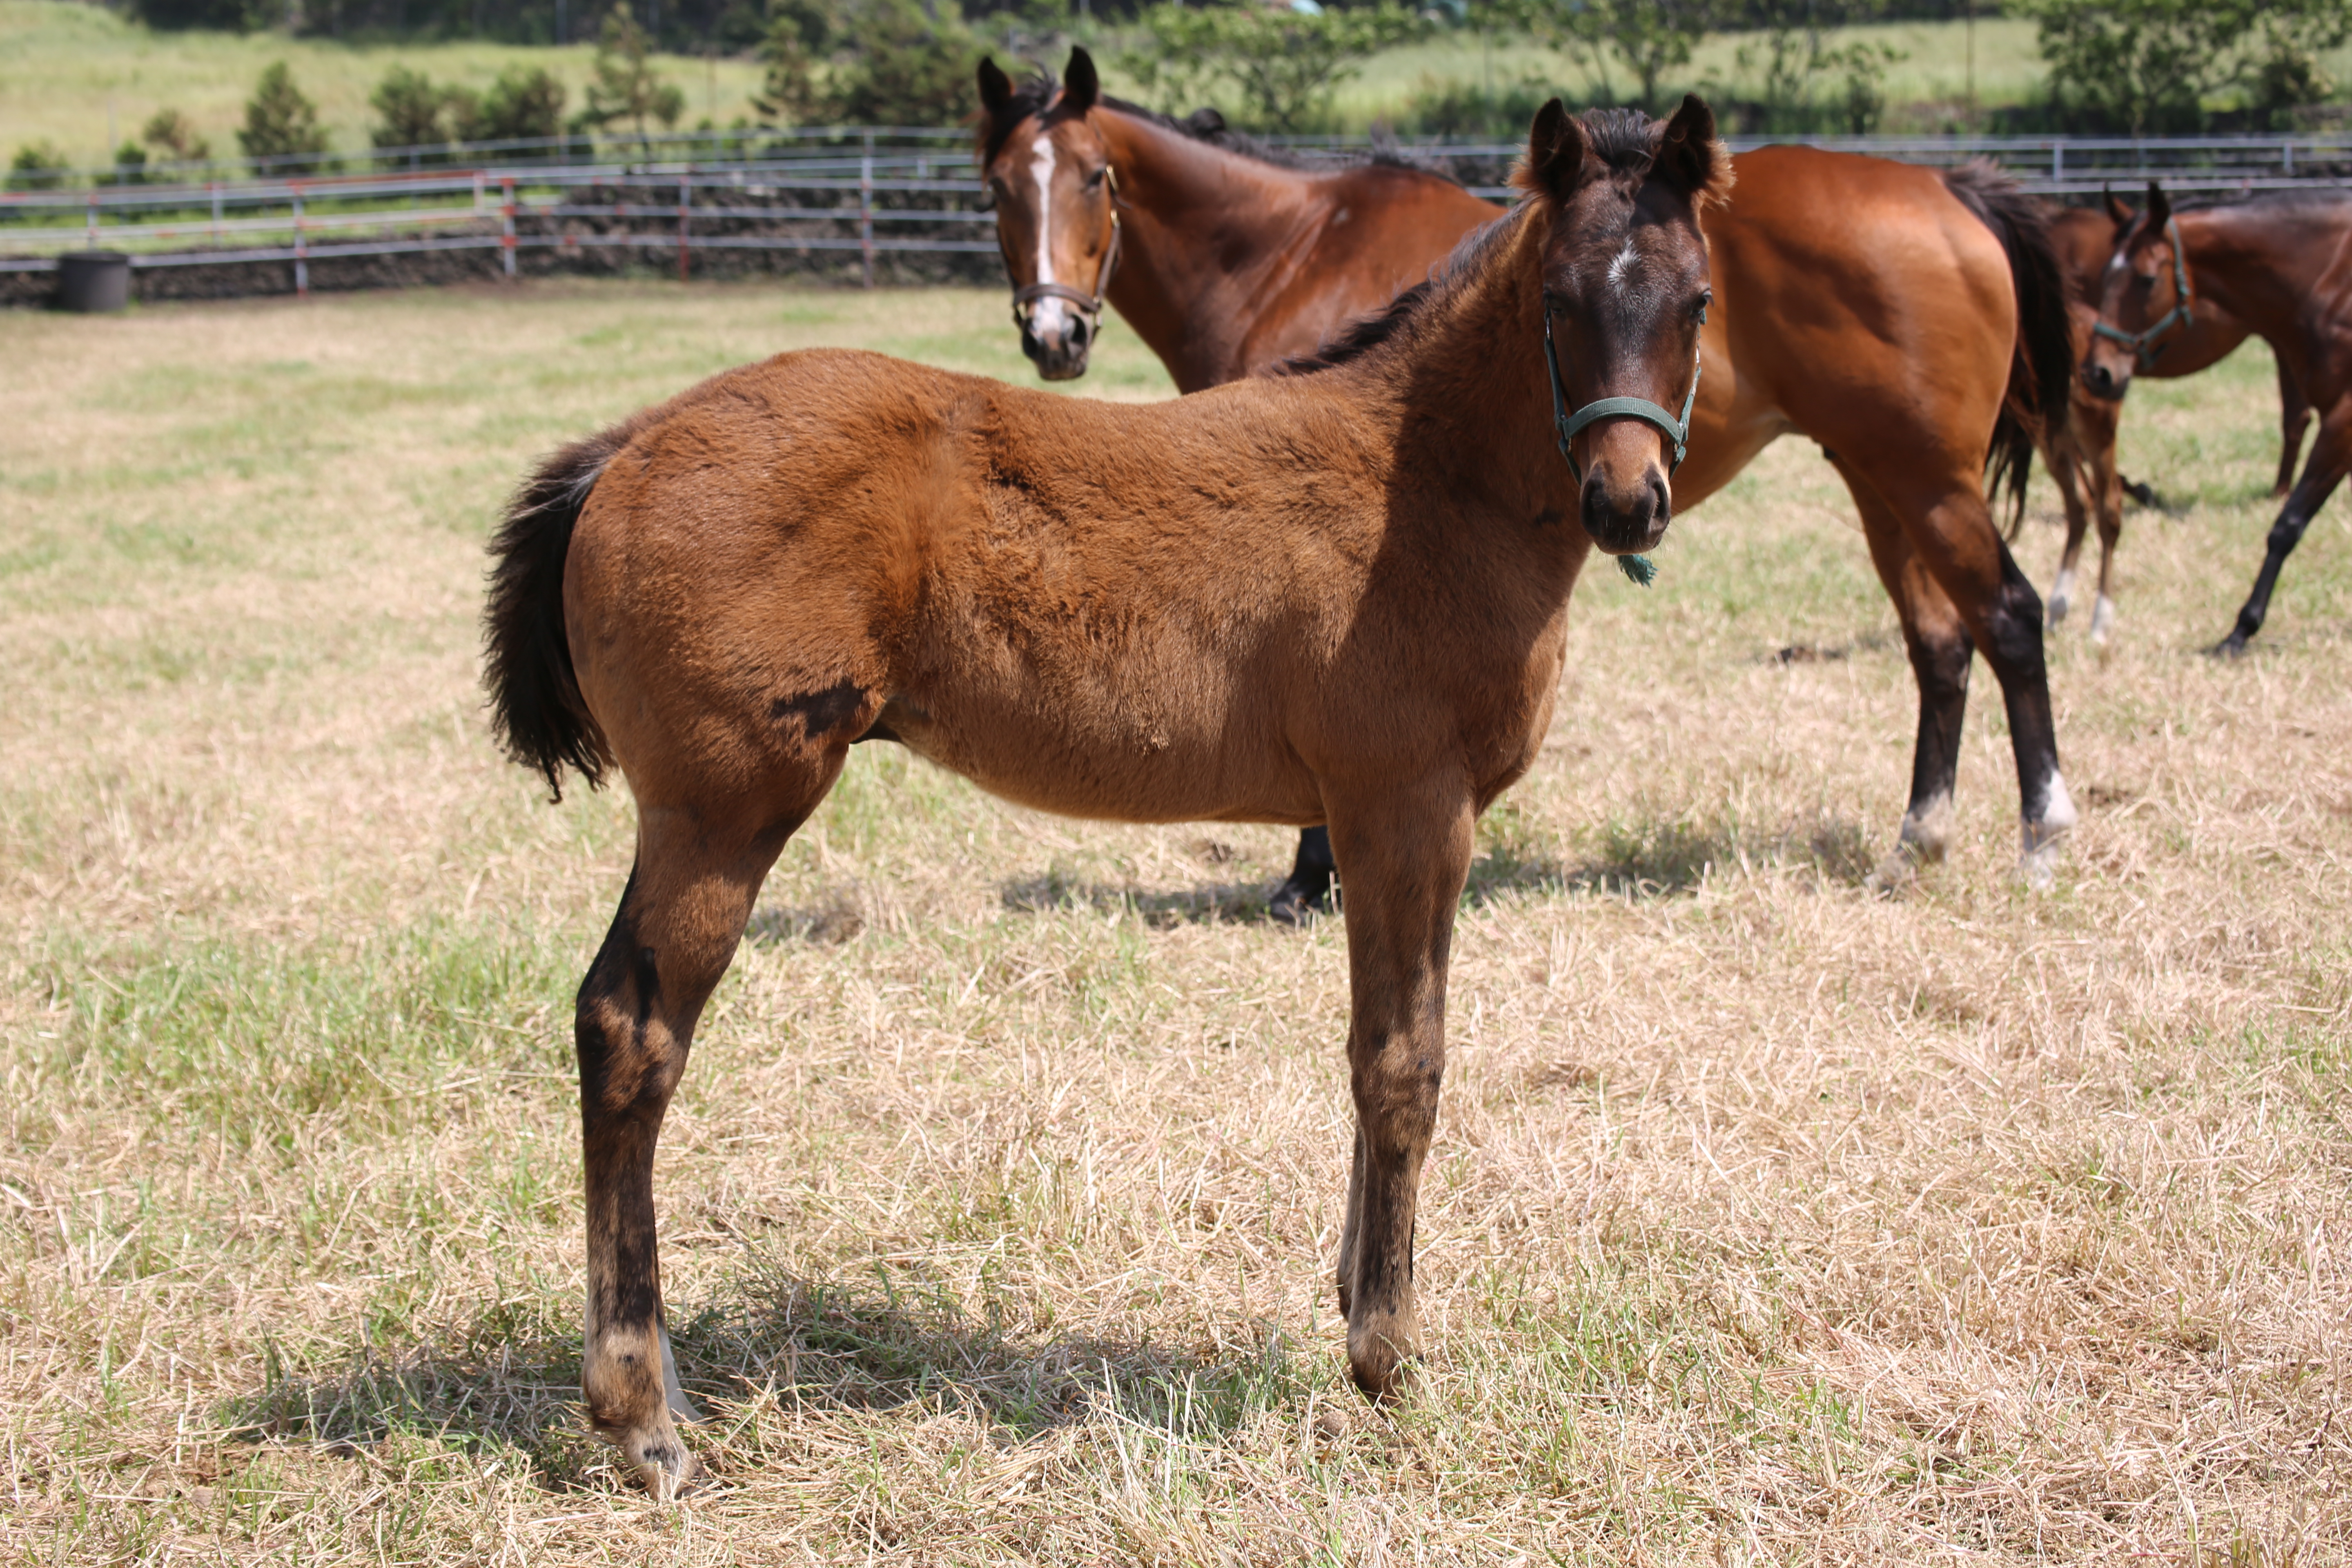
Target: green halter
pixel 1639 569
pixel 2146 345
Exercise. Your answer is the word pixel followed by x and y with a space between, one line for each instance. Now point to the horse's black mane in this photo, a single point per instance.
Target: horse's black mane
pixel 1035 94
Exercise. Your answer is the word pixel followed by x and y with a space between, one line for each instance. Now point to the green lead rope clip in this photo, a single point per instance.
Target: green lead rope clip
pixel 1640 570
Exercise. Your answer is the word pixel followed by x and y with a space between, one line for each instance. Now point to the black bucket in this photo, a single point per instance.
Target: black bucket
pixel 92 281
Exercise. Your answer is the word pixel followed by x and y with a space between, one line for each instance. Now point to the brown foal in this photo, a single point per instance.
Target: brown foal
pixel 2082 452
pixel 1335 596
pixel 1908 321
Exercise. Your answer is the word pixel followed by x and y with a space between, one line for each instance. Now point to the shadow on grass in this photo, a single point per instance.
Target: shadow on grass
pixel 508 1381
pixel 1667 858
pixel 1207 905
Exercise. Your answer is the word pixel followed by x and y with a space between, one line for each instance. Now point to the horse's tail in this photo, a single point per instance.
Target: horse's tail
pixel 2041 373
pixel 536 709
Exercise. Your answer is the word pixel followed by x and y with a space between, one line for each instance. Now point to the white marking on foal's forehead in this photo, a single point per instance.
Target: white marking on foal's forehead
pixel 1622 265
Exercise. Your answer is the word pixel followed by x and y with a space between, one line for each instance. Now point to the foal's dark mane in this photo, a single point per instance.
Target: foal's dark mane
pixel 1035 94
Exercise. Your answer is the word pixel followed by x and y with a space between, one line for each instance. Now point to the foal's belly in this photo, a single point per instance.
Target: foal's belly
pixel 1114 770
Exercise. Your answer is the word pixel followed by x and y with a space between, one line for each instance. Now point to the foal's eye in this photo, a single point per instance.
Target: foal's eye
pixel 1706 298
pixel 1094 181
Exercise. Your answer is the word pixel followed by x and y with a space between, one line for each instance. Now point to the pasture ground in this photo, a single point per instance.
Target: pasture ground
pixel 1769 1222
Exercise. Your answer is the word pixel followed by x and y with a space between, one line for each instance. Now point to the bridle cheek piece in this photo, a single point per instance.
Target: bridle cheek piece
pixel 1089 305
pixel 2147 343
pixel 1567 425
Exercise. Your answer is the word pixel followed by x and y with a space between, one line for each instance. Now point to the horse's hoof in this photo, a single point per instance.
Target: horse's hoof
pixel 1296 903
pixel 2103 620
pixel 664 1464
pixel 2231 647
pixel 1379 1350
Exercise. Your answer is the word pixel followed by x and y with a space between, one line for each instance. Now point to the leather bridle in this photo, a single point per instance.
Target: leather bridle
pixel 1089 305
pixel 2147 343
pixel 1567 425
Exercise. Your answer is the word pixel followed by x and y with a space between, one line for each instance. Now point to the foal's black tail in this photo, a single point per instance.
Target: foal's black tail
pixel 2041 374
pixel 535 704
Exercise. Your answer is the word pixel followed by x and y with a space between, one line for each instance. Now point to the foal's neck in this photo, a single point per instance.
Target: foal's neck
pixel 1212 235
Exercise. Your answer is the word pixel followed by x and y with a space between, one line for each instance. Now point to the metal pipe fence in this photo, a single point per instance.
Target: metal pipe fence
pixel 873 191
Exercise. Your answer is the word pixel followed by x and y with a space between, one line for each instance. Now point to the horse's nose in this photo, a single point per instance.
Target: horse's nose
pixel 1055 340
pixel 1628 519
pixel 2099 380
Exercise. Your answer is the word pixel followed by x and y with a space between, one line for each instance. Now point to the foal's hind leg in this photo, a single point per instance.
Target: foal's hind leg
pixel 2295 419
pixel 698 873
pixel 2066 469
pixel 1405 854
pixel 1308 889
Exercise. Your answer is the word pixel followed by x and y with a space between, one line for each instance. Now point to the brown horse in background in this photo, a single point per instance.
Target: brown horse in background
pixel 1335 596
pixel 2082 452
pixel 1908 321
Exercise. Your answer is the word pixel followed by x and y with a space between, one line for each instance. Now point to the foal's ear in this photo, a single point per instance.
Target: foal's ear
pixel 995 86
pixel 2120 213
pixel 1556 149
pixel 1690 155
pixel 2160 209
pixel 1081 89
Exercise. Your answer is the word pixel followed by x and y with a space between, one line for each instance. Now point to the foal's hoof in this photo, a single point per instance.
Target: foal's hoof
pixel 2231 647
pixel 1897 874
pixel 1297 901
pixel 660 1457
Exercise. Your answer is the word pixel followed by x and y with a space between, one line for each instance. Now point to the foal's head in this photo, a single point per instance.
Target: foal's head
pixel 1049 178
pixel 1624 291
pixel 2143 297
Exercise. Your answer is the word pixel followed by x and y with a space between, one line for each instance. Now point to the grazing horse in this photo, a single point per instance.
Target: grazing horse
pixel 1906 320
pixel 1334 596
pixel 2083 452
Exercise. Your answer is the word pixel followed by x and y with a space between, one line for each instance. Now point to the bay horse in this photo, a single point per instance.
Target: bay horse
pixel 2277 266
pixel 1909 321
pixel 2081 452
pixel 1338 594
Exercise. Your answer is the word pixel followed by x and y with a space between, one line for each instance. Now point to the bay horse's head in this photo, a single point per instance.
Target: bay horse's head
pixel 1049 178
pixel 2144 296
pixel 1625 293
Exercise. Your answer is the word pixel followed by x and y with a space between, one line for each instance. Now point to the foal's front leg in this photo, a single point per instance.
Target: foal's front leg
pixel 1404 856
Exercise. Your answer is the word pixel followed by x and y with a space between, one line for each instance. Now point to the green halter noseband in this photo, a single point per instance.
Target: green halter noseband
pixel 2146 345
pixel 1640 569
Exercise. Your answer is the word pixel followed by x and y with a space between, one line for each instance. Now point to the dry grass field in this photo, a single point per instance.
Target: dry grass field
pixel 1769 1222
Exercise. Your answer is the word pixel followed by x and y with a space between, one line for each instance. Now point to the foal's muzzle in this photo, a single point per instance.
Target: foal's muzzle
pixel 1629 520
pixel 2100 380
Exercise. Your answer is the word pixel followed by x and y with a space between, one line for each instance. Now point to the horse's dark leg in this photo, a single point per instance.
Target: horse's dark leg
pixel 1952 534
pixel 1405 855
pixel 1307 889
pixel 697 874
pixel 2295 418
pixel 1941 652
pixel 2331 455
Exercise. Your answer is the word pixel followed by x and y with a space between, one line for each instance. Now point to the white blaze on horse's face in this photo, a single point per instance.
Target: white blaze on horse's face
pixel 1049 316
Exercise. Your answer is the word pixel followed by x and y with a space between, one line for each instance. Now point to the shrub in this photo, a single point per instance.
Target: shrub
pixel 626 87
pixel 889 62
pixel 1441 108
pixel 130 165
pixel 2148 66
pixel 280 122
pixel 525 100
pixel 1280 66
pixel 409 108
pixel 171 132
pixel 37 166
